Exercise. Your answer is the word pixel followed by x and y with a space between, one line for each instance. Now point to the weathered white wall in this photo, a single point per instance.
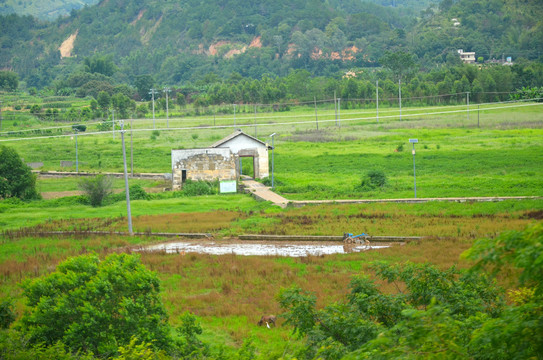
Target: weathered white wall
pixel 203 164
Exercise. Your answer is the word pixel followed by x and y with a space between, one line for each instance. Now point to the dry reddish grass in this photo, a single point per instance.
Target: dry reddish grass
pixel 394 223
pixel 185 222
pixel 237 286
pixel 247 286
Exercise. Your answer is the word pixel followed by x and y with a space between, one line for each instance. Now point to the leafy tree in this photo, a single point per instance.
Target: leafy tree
pixel 16 179
pixel 143 84
pixel 401 63
pixel 180 100
pixel 122 104
pixel 96 188
pixel 104 100
pixel 9 80
pixel 100 64
pixel 94 305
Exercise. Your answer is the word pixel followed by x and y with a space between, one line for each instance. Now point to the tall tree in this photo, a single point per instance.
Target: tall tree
pixel 9 80
pixel 401 63
pixel 144 83
pixel 16 179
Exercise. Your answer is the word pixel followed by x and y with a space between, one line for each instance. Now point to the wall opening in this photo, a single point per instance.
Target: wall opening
pixel 183 176
pixel 247 165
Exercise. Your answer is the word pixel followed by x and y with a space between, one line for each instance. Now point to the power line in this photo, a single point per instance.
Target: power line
pixel 514 104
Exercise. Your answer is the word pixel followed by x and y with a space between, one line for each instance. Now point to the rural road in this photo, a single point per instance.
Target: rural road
pixel 265 193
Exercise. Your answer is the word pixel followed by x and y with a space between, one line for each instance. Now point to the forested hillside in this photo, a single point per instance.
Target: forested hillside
pixel 43 9
pixel 176 42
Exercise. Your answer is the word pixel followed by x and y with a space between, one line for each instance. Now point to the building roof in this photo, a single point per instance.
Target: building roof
pixel 235 134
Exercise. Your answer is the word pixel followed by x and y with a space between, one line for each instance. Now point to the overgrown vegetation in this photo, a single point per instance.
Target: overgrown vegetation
pixel 460 315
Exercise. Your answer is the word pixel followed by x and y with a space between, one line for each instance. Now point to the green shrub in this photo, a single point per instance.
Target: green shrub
pixel 136 193
pixel 399 148
pixel 104 126
pixel 196 188
pixel 374 179
pixel 96 189
pixel 79 127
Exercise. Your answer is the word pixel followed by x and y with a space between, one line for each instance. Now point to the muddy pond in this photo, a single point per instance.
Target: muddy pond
pixel 261 248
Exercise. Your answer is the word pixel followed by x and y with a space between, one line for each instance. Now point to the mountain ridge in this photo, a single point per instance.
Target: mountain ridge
pixel 184 41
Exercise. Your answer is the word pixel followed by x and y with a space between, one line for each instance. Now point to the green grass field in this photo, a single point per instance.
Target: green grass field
pixel 454 156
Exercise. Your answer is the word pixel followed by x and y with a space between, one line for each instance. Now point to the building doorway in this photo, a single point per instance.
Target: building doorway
pixel 247 166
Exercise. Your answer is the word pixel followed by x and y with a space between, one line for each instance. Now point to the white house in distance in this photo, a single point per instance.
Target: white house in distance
pixel 467 57
pixel 220 161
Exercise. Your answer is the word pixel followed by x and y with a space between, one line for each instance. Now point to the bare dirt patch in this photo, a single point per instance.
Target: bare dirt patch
pixel 256 43
pixel 68 45
pixel 59 194
pixel 138 18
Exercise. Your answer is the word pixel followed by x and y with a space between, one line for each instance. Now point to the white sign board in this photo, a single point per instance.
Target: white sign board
pixel 228 186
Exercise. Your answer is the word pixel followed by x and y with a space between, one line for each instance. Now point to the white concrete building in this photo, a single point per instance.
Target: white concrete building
pixel 467 57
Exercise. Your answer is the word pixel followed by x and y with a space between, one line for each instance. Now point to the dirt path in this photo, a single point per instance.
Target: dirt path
pixel 58 194
pixel 263 192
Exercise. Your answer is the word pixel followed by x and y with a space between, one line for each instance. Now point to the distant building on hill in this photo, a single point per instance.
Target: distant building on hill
pixel 467 57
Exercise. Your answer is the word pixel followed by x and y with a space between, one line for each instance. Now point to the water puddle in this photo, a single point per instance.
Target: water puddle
pixel 275 248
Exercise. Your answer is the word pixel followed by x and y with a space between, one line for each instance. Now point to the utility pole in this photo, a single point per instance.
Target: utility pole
pixel 76 154
pixel 167 90
pixel 316 117
pixel 377 99
pixel 234 115
pixel 113 123
pixel 339 111
pixel 131 147
pixel 255 122
pixel 273 149
pixel 414 141
pixel 467 102
pixel 335 105
pixel 400 96
pixel 128 212
pixel 152 93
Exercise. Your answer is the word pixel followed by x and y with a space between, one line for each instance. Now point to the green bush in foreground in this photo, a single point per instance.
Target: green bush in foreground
pixel 96 306
pixel 7 316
